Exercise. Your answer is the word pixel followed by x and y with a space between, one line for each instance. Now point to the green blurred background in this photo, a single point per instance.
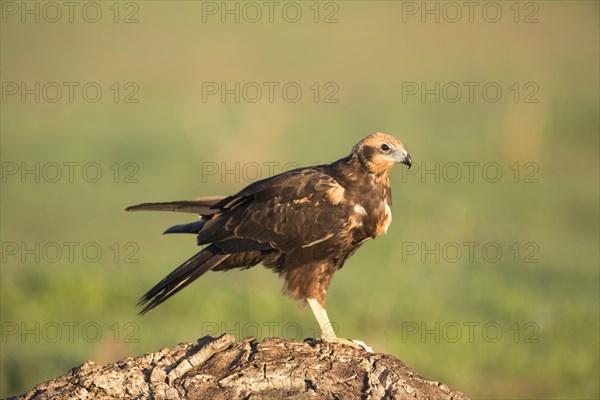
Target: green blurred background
pixel 505 329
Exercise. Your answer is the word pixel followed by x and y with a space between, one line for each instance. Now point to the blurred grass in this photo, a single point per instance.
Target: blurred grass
pixel 381 290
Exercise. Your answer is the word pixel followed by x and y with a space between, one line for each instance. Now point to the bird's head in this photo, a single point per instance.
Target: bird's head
pixel 380 151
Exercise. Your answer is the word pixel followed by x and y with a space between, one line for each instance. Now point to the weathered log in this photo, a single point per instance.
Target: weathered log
pixel 220 368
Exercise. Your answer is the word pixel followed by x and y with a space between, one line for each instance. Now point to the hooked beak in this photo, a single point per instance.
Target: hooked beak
pixel 407 160
pixel 404 158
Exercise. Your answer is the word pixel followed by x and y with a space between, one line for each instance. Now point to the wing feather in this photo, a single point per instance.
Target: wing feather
pixel 292 210
pixel 201 205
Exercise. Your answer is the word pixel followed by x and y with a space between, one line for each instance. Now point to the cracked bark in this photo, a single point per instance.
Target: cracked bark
pixel 220 368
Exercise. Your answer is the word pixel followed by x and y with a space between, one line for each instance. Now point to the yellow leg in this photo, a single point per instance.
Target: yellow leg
pixel 327 333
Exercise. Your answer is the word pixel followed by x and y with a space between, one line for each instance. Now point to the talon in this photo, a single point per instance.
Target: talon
pixel 357 344
pixel 362 345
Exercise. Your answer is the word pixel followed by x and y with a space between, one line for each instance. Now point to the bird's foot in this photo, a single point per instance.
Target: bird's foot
pixel 357 344
pixel 362 345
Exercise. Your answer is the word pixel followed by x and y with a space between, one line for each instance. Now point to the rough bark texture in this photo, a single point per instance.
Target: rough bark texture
pixel 223 369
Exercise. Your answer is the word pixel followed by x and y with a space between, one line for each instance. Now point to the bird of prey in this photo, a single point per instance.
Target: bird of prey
pixel 302 224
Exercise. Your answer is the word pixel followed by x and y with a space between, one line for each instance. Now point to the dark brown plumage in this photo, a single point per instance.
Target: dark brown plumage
pixel 303 224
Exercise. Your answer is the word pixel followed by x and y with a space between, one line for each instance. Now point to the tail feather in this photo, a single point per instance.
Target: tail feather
pixel 182 276
pixel 201 205
pixel 192 227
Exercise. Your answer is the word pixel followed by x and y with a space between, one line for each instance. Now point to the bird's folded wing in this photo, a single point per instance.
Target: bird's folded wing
pixel 289 211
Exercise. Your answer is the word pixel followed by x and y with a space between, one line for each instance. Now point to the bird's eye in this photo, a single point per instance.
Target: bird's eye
pixel 385 147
